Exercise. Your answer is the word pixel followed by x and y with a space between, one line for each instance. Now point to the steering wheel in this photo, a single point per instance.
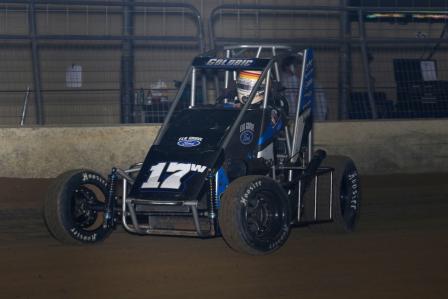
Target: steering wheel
pixel 282 103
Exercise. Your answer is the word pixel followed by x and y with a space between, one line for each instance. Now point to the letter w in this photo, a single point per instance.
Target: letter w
pixel 198 168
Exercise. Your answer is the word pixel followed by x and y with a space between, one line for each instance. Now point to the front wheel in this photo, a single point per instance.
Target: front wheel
pixel 254 216
pixel 74 207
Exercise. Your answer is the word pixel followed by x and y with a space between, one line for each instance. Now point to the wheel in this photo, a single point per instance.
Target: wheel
pixel 74 207
pixel 254 216
pixel 346 196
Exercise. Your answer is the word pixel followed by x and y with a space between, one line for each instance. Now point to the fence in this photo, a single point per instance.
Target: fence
pixel 370 62
pixel 117 61
pixel 91 61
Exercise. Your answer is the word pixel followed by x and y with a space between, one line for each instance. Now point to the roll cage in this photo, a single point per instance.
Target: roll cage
pixel 265 58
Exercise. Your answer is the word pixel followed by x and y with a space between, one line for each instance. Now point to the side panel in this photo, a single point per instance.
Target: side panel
pixel 190 151
pixel 172 175
pixel 304 116
pixel 307 82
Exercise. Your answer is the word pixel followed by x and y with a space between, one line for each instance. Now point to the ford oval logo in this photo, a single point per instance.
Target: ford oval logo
pixel 188 143
pixel 246 137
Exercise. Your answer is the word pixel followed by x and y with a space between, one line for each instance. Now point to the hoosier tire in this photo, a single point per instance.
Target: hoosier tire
pixel 346 196
pixel 74 208
pixel 254 216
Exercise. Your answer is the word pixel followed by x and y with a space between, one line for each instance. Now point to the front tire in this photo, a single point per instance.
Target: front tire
pixel 254 216
pixel 74 207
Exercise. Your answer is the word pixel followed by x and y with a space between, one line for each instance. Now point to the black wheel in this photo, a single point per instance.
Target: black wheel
pixel 254 216
pixel 346 196
pixel 74 207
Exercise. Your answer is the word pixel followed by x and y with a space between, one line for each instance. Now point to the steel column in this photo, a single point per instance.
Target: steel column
pixel 127 64
pixel 365 62
pixel 32 27
pixel 345 58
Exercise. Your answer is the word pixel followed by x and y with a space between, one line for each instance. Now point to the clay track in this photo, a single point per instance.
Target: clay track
pixel 399 251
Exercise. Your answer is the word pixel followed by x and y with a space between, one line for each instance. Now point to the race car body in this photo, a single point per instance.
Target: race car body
pixel 239 165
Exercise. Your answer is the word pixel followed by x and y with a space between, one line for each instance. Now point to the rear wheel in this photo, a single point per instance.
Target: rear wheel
pixel 74 207
pixel 254 216
pixel 346 196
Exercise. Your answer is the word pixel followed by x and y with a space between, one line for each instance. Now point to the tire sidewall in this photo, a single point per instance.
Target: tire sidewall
pixel 65 199
pixel 350 177
pixel 263 184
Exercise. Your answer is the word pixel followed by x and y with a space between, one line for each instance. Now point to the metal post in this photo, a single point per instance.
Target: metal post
pixel 345 58
pixel 202 46
pixel 365 62
pixel 316 190
pixel 266 89
pixel 193 88
pixel 36 63
pixel 277 72
pixel 331 195
pixel 299 201
pixel 127 64
pixel 25 106
pixel 227 73
pixel 310 145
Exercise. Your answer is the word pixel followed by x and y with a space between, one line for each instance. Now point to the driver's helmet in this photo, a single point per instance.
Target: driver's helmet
pixel 245 82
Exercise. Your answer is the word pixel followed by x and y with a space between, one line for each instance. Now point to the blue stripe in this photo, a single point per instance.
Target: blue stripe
pixel 222 182
pixel 268 134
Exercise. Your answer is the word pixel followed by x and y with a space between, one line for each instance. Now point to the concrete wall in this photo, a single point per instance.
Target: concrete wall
pixel 394 146
pixel 377 147
pixel 46 152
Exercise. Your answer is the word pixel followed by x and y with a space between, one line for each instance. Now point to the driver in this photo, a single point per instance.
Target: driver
pixel 245 83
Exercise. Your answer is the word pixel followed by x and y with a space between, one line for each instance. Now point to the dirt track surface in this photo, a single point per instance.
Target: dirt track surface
pixel 399 251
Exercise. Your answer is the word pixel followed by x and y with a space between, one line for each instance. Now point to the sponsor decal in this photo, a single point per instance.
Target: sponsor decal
pixel 189 141
pixel 247 133
pixel 354 180
pixel 80 236
pixel 87 176
pixel 244 198
pixel 229 62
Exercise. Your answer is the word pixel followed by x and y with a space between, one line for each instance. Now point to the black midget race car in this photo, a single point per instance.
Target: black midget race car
pixel 237 166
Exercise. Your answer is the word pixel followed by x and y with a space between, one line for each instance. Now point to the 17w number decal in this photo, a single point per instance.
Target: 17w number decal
pixel 172 181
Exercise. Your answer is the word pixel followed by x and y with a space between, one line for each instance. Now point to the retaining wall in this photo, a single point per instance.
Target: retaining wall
pixel 377 147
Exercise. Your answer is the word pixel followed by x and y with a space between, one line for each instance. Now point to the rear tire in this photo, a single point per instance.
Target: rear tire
pixel 346 196
pixel 74 207
pixel 254 216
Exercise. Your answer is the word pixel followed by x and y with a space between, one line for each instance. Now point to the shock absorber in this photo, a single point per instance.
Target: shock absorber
pixel 212 205
pixel 212 197
pixel 110 200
